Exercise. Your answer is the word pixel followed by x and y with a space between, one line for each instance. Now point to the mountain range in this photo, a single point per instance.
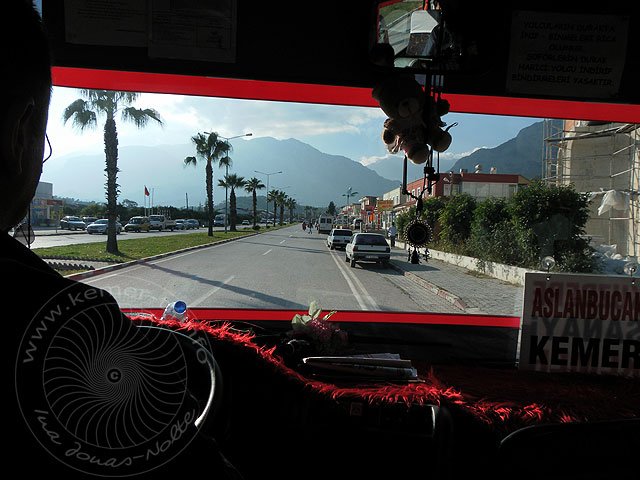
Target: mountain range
pixel 308 175
pixel 520 155
pixel 302 171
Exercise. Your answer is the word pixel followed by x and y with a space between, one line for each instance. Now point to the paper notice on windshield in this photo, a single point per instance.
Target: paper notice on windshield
pixel 567 54
pixel 193 30
pixel 198 30
pixel 118 23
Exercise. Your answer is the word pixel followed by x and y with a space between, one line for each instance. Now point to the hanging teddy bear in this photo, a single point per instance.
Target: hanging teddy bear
pixel 412 126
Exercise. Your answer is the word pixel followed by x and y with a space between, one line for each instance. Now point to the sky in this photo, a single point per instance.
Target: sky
pixel 353 132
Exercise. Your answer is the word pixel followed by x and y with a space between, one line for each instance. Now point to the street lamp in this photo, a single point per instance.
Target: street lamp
pixel 268 175
pixel 226 174
pixel 350 193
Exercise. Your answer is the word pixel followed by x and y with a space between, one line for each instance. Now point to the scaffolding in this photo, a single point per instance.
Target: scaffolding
pixel 596 158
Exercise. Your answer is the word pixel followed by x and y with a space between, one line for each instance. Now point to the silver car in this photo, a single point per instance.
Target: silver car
pixel 72 223
pixel 368 247
pixel 100 226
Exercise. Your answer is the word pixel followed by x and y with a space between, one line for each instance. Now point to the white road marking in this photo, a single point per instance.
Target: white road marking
pixel 199 301
pixel 267 251
pixel 282 242
pixel 367 297
pixel 355 292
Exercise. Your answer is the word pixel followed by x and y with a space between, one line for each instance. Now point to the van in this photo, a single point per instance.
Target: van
pixel 325 223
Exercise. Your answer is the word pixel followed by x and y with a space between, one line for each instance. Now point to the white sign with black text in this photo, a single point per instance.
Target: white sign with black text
pixel 581 323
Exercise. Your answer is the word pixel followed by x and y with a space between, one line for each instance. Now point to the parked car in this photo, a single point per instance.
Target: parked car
pixel 193 223
pixel 89 220
pixel 100 226
pixel 138 224
pixel 180 225
pixel 246 222
pixel 339 237
pixel 160 222
pixel 370 247
pixel 72 223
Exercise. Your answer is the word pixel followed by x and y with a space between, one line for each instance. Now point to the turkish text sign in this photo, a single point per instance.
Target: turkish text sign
pixel 581 323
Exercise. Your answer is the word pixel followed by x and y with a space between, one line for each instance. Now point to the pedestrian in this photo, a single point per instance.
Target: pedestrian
pixel 392 232
pixel 304 226
pixel 310 227
pixel 55 310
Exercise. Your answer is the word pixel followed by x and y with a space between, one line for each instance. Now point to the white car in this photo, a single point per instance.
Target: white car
pixel 368 247
pixel 100 226
pixel 338 238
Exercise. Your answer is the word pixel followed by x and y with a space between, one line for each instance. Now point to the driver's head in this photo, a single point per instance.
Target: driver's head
pixel 25 71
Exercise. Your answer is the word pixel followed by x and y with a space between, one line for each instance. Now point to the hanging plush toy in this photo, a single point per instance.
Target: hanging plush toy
pixel 413 125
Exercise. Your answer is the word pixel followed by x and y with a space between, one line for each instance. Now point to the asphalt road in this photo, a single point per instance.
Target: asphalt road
pixel 285 268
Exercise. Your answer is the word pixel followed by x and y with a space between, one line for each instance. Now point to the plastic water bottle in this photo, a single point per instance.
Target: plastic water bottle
pixel 176 311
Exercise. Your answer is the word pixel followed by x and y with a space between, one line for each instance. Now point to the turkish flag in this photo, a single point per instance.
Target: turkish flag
pixel 146 192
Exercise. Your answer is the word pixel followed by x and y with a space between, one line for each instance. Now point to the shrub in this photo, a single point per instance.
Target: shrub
pixel 456 218
pixel 550 221
pixel 492 236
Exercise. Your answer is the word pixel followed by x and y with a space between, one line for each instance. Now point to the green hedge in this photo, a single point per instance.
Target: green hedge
pixel 538 221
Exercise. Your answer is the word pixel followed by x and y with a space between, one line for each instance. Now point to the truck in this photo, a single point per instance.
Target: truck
pixel 161 222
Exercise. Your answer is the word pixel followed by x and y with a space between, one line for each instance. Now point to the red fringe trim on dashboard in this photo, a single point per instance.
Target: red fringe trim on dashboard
pixel 519 399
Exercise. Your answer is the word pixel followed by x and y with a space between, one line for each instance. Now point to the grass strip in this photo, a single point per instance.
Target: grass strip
pixel 137 248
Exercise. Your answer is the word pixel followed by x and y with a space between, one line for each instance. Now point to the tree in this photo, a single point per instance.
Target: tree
pixel 281 199
pixel 209 148
pixel 291 205
pixel 84 113
pixel 252 186
pixel 551 221
pixel 232 181
pixel 331 209
pixel 456 219
pixel 272 196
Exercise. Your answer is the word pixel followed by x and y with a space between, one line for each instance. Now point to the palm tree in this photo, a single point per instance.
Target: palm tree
pixel 84 112
pixel 272 196
pixel 291 205
pixel 282 198
pixel 252 186
pixel 232 181
pixel 210 147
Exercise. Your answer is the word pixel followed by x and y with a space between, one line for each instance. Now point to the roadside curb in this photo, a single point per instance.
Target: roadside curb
pixel 118 266
pixel 435 289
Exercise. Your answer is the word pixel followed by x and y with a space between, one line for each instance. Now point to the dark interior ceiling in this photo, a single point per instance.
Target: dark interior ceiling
pixel 329 43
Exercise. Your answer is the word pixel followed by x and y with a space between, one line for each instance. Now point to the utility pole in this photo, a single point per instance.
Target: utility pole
pixel 268 175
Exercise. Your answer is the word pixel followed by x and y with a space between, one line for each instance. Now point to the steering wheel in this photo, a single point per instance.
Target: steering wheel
pixel 199 363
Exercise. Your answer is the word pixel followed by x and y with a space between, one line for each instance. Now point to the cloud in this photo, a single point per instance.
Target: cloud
pixel 444 157
pixel 374 158
pixel 449 156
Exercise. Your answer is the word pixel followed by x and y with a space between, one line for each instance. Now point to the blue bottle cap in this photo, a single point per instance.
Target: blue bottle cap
pixel 180 307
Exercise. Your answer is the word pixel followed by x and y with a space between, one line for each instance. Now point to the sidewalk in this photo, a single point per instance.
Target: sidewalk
pixel 470 291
